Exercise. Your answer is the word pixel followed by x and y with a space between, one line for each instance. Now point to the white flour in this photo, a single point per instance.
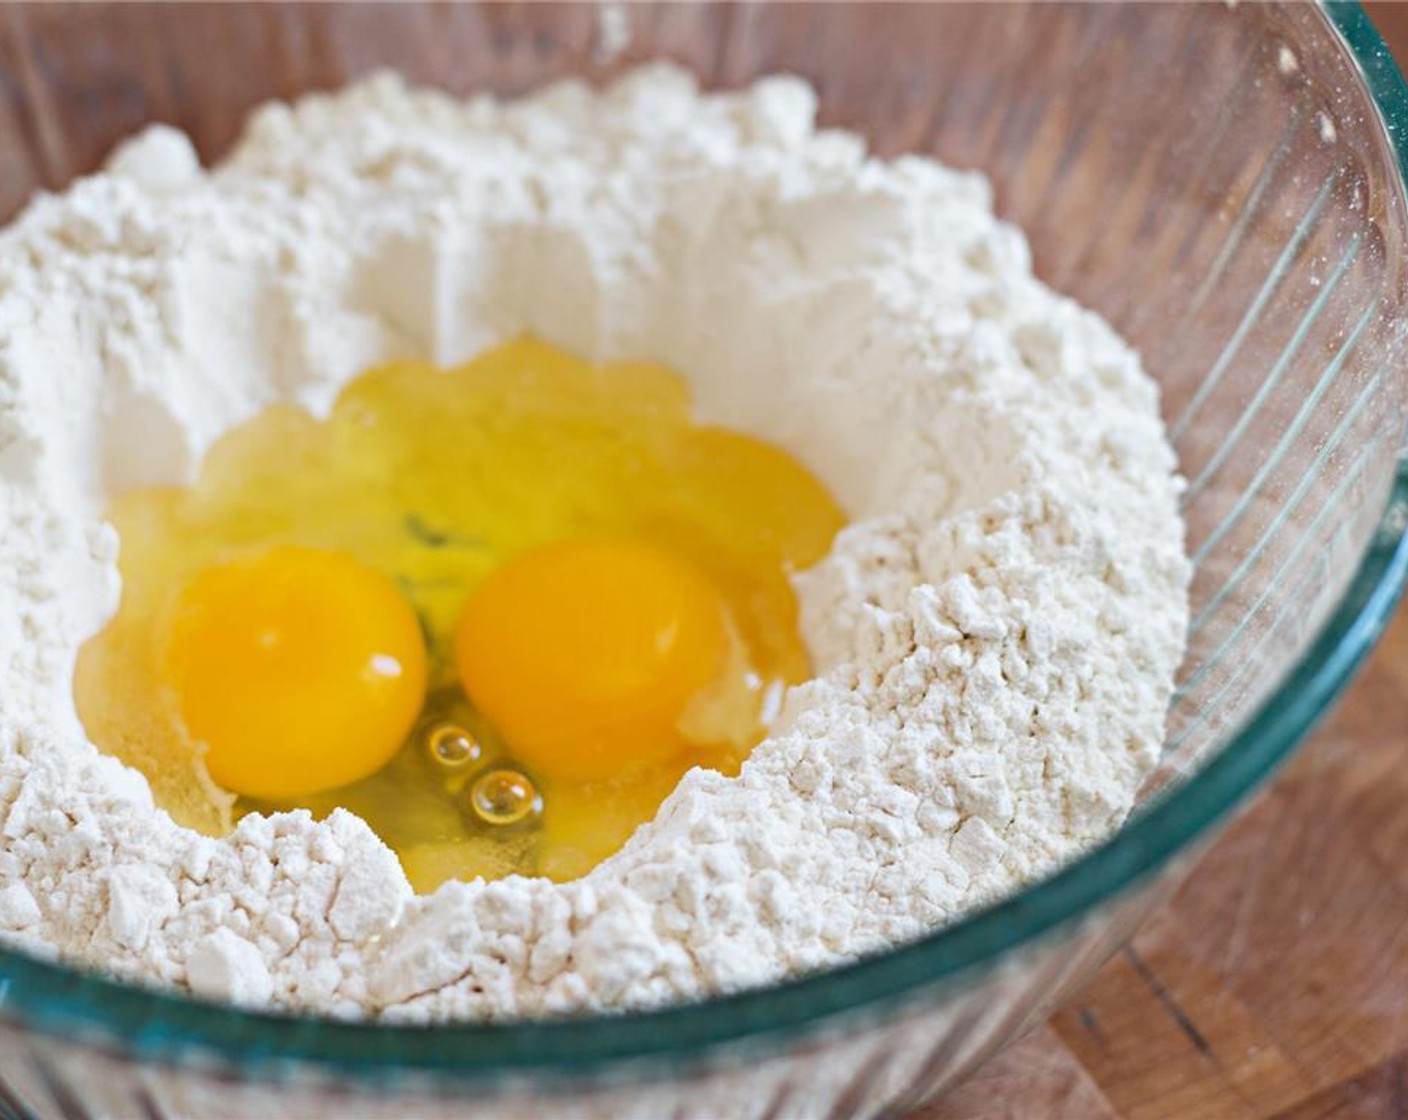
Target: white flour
pixel 995 635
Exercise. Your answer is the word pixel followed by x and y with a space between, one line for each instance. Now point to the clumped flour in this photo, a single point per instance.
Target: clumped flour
pixel 994 635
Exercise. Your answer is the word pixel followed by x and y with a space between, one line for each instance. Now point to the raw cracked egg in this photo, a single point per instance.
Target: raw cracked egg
pixel 497 611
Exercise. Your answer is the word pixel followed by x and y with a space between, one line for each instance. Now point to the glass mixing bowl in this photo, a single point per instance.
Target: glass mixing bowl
pixel 1221 182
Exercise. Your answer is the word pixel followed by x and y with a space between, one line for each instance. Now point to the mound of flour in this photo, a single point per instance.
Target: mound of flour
pixel 995 634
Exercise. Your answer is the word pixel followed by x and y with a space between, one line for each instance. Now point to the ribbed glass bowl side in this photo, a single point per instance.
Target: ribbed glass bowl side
pixel 1221 183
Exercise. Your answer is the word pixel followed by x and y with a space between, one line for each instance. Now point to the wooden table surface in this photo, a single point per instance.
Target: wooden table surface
pixel 1275 983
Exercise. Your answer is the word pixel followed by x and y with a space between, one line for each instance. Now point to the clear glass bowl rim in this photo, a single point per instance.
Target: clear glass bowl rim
pixel 155 1026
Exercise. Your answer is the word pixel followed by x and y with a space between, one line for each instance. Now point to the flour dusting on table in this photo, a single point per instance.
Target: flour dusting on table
pixel 994 636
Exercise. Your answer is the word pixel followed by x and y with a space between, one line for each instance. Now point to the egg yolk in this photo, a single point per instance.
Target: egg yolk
pixel 585 654
pixel 299 670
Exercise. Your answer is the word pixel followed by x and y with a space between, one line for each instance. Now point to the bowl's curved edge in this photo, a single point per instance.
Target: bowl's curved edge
pixel 151 1025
